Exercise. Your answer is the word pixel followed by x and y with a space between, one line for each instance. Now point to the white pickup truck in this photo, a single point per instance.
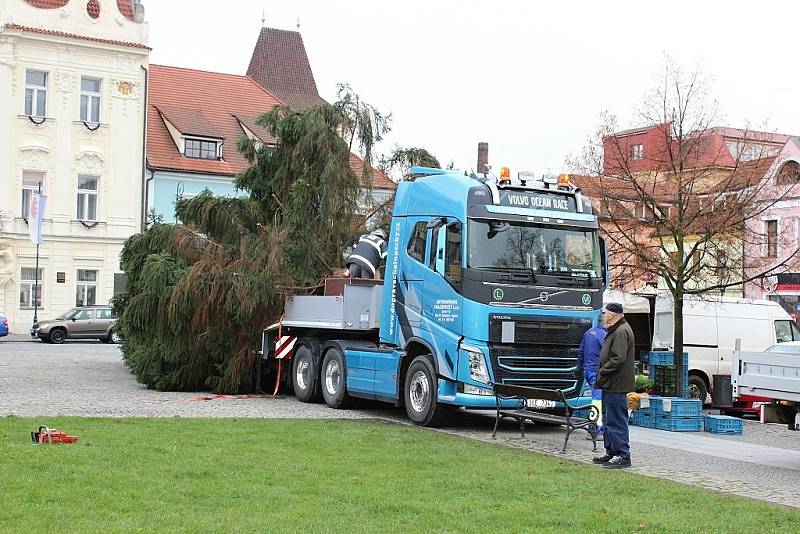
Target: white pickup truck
pixel 774 374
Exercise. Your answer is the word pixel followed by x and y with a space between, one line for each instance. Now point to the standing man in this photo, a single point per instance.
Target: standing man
pixel 588 361
pixel 367 254
pixel 615 377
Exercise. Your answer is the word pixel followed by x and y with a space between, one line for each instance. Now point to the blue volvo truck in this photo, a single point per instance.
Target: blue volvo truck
pixel 485 281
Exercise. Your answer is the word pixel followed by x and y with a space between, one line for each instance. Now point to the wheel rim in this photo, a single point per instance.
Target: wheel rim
pixel 302 378
pixel 694 392
pixel 115 337
pixel 419 391
pixel 57 335
pixel 332 376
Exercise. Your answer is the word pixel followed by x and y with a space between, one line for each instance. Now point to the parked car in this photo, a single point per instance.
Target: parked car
pixel 3 326
pixel 83 322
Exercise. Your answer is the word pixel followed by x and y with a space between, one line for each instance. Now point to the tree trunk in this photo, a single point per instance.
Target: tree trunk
pixel 677 339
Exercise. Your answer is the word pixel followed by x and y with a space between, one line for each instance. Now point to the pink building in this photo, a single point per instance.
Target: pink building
pixel 779 227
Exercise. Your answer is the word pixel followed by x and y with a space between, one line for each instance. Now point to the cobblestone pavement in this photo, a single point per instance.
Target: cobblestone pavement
pixel 89 379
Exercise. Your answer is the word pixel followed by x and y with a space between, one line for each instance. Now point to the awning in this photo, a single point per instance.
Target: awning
pixel 631 303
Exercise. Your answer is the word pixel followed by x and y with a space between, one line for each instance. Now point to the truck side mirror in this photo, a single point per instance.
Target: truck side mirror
pixel 441 240
pixel 604 260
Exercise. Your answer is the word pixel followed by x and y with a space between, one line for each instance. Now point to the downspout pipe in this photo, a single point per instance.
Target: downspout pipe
pixel 145 180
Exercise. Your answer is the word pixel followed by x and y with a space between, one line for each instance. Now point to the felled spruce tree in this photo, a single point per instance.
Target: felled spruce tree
pixel 199 293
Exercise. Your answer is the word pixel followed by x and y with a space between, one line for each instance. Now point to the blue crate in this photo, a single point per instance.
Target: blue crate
pixel 644 356
pixel 652 371
pixel 723 424
pixel 679 406
pixel 643 419
pixel 673 423
pixel 665 357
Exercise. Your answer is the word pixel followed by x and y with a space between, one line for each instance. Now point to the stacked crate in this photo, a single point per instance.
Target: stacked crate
pixel 665 375
pixel 674 414
pixel 722 424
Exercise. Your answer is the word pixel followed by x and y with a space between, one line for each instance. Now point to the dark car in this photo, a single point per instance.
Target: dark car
pixel 83 322
pixel 3 326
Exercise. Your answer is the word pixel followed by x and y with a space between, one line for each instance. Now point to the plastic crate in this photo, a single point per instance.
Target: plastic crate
pixel 665 379
pixel 643 419
pixel 723 424
pixel 665 357
pixel 678 423
pixel 677 406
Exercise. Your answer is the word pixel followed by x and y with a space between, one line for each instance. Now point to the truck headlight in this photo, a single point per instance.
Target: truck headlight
pixel 477 364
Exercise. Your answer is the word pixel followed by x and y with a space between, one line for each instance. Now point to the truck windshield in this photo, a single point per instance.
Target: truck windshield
pixel 513 245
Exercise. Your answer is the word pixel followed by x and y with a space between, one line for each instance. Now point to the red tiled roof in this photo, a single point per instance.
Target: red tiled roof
pixel 198 102
pixel 280 65
pixel 12 26
pixel 48 4
pixel 216 97
pixel 125 8
pixel 189 121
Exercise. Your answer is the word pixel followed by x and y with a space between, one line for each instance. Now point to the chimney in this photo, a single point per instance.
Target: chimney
pixel 483 157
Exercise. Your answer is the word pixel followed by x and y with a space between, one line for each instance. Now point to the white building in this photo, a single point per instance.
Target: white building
pixel 72 110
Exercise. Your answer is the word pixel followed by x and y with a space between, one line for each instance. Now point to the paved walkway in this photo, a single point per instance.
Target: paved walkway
pixel 89 379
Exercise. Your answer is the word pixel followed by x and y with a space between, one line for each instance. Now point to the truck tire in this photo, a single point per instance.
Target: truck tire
pixel 333 380
pixel 697 388
pixel 57 335
pixel 420 394
pixel 305 377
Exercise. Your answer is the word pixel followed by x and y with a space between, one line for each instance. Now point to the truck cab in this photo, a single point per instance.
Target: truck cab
pixel 485 283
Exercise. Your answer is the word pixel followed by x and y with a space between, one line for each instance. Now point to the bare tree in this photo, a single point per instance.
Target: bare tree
pixel 676 195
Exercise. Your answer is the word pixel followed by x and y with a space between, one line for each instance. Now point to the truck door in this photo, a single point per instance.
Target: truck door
pixel 413 273
pixel 442 303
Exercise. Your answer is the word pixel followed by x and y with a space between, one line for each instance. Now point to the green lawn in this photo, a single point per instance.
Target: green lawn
pixel 326 476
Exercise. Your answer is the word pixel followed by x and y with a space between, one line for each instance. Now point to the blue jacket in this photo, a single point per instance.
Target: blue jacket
pixel 591 345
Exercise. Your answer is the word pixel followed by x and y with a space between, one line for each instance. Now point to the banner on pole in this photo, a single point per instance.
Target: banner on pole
pixel 36 217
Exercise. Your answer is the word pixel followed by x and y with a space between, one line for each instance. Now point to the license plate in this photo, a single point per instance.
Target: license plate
pixel 540 403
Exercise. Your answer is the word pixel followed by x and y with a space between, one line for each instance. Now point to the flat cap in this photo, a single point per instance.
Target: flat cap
pixel 614 307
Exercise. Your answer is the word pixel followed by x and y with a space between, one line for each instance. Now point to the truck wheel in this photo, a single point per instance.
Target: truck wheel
pixel 334 380
pixel 57 336
pixel 305 377
pixel 421 387
pixel 697 388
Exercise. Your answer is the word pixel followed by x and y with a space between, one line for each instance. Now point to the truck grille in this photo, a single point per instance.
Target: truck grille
pixel 544 353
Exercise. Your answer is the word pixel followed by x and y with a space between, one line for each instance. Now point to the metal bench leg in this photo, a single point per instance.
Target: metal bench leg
pixel 496 424
pixel 566 440
pixel 522 426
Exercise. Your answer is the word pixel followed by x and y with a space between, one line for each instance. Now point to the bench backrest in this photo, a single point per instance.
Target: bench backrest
pixel 527 392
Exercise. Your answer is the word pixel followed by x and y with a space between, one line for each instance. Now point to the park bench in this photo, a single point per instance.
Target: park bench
pixel 531 400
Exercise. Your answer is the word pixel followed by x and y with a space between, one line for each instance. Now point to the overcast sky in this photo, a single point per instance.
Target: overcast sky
pixel 529 77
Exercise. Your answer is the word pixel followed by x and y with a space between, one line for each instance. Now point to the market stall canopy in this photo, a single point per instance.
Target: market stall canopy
pixel 631 303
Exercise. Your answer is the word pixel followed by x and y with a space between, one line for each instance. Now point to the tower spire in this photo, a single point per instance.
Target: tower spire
pixel 263 19
pixel 298 22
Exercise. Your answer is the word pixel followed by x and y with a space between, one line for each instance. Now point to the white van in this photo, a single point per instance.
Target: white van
pixel 711 326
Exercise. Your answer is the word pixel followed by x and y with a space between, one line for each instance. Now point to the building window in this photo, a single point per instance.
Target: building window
pixel 772 239
pixel 28 286
pixel 35 93
pixel 197 148
pixel 87 198
pixel 789 173
pixel 637 151
pixel 30 184
pixel 664 211
pixel 90 100
pixel 86 294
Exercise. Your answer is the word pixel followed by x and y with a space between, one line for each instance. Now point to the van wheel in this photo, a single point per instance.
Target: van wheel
pixel 421 392
pixel 305 377
pixel 697 388
pixel 58 336
pixel 334 380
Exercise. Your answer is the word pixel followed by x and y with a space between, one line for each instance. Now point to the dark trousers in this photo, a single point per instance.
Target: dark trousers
pixel 355 270
pixel 615 421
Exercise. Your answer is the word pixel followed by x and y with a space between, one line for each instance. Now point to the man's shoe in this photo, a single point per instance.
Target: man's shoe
pixel 618 462
pixel 602 459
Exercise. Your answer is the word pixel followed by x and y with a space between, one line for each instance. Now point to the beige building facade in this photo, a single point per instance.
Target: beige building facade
pixel 72 108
